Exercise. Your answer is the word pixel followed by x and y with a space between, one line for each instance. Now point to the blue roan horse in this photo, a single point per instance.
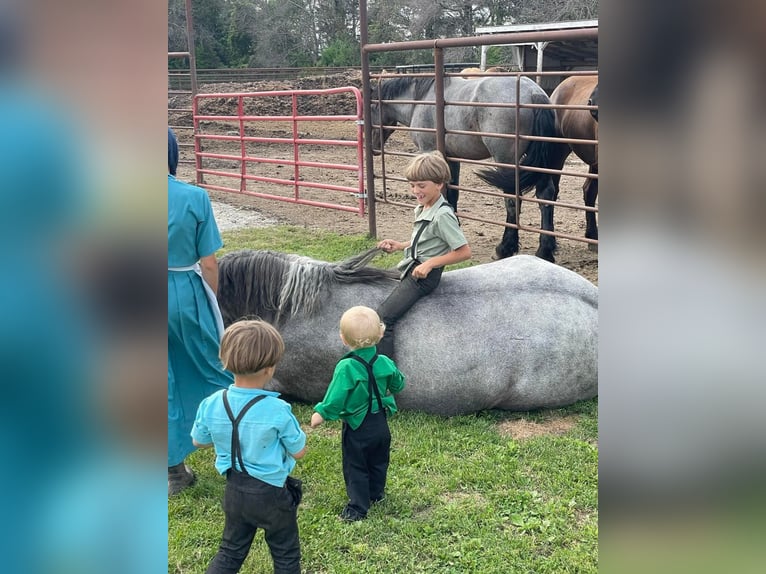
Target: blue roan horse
pixel 514 334
pixel 387 111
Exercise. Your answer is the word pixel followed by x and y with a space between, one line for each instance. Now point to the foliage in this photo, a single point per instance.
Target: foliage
pixel 273 33
pixel 341 52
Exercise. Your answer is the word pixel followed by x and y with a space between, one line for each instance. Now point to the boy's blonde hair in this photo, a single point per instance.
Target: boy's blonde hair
pixel 361 327
pixel 429 166
pixel 249 346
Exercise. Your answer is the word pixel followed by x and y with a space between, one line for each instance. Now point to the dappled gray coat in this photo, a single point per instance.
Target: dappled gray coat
pixel 514 334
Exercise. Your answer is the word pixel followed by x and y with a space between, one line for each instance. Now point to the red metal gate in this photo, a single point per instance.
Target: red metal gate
pixel 241 146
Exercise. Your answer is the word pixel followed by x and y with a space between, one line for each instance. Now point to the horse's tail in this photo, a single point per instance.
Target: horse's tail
pixel 538 154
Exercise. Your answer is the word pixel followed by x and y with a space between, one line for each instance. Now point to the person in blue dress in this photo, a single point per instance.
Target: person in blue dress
pixel 194 320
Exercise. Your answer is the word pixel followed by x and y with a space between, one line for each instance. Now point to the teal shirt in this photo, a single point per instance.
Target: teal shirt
pixel 269 433
pixel 347 396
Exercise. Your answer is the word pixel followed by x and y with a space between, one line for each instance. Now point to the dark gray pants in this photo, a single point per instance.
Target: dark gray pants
pixel 404 296
pixel 250 504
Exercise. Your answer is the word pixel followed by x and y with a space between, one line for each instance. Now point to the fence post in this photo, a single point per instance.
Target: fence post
pixel 367 115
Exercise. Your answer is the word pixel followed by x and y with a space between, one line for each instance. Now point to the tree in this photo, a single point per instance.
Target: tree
pixel 341 52
pixel 271 33
pixel 532 11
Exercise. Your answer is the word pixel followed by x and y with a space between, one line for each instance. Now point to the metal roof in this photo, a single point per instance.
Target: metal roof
pixel 569 54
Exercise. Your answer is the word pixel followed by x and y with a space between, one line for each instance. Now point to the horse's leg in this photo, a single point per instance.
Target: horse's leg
pixel 450 194
pixel 589 195
pixel 546 189
pixel 509 244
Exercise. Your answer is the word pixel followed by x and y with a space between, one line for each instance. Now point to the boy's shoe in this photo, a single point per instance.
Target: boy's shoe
pixel 180 477
pixel 351 515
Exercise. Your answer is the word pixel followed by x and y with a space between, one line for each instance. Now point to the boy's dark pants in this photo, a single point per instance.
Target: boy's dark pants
pixel 366 453
pixel 250 504
pixel 404 296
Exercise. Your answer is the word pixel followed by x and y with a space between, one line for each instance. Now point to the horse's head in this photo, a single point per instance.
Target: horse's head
pixel 381 115
pixel 593 101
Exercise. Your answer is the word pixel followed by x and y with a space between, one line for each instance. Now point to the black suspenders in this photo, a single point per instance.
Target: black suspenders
pixel 373 384
pixel 236 450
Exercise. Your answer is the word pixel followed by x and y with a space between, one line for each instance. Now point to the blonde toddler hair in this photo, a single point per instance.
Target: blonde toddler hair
pixel 249 346
pixel 361 327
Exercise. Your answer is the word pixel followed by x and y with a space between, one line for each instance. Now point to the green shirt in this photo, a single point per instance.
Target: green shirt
pixel 441 235
pixel 347 396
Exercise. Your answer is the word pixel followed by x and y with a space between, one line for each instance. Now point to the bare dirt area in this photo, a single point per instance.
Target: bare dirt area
pixel 393 221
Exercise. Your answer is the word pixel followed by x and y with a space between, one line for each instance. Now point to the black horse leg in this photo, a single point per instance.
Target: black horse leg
pixel 545 189
pixel 589 195
pixel 450 194
pixel 509 244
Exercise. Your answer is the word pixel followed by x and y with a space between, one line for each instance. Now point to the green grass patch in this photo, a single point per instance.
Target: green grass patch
pixel 317 244
pixel 462 495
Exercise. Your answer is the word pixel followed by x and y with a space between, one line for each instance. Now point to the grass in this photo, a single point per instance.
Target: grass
pixel 322 245
pixel 464 496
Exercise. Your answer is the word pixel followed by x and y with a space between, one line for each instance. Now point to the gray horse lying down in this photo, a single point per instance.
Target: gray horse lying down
pixel 516 334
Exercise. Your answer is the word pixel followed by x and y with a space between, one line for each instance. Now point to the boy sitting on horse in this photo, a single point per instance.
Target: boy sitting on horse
pixel 436 241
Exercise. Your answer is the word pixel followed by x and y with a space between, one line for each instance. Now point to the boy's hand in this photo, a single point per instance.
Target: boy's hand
pixel 316 420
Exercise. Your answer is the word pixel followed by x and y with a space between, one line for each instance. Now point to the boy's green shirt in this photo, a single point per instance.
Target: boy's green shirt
pixel 347 397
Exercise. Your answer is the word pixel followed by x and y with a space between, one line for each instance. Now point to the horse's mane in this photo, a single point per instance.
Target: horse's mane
pixel 396 87
pixel 273 285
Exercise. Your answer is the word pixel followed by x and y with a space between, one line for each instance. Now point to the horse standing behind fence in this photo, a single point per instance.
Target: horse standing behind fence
pixel 580 124
pixel 469 73
pixel 515 334
pixel 387 111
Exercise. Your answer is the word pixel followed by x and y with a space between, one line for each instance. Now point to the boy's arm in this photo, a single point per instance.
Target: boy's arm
pixel 291 436
pixel 396 383
pixel 316 420
pixel 462 253
pixel 300 454
pixel 200 433
pixel 337 393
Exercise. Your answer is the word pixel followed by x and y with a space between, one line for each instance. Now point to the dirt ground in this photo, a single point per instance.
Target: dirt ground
pixel 393 221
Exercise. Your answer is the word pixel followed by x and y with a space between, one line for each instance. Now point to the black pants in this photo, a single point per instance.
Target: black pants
pixel 404 296
pixel 366 452
pixel 250 504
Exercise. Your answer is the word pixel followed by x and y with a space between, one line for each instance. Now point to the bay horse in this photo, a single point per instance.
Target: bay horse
pixel 468 73
pixel 515 334
pixel 391 104
pixel 580 124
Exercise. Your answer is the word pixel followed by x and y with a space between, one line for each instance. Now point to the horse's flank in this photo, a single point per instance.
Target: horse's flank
pixel 515 334
pixel 581 125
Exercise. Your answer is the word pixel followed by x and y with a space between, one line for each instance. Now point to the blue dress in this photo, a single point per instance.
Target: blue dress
pixel 194 369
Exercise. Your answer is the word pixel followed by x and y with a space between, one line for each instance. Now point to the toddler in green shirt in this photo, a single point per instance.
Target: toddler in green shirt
pixel 361 395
